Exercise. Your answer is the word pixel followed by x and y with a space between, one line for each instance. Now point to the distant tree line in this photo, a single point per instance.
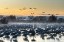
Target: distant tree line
pixel 5 20
pixel 52 18
pixel 11 18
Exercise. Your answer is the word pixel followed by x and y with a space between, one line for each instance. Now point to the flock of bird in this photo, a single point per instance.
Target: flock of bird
pixel 24 8
pixel 14 31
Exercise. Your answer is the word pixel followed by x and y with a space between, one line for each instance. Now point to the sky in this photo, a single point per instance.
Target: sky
pixel 11 7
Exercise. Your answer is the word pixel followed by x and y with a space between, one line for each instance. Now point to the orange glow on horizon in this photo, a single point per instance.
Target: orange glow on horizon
pixel 27 12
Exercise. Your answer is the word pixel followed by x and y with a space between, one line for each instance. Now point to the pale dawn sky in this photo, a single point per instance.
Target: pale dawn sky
pixel 11 7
